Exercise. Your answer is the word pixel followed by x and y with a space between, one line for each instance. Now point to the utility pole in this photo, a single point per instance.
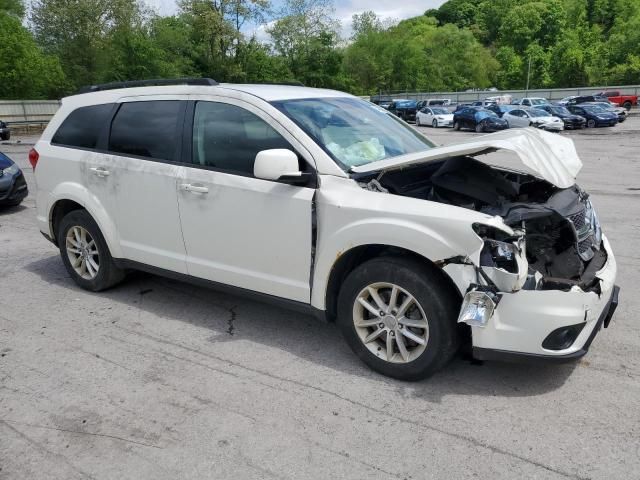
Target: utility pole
pixel 528 75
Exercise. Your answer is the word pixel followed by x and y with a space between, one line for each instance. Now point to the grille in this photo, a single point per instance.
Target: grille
pixel 578 220
pixel 584 247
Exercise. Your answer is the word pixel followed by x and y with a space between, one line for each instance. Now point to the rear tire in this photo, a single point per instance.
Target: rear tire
pixel 479 128
pixel 627 105
pixel 434 124
pixel 456 126
pixel 81 242
pixel 591 123
pixel 432 313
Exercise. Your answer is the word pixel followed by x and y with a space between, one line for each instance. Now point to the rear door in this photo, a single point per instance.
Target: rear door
pixel 240 230
pixel 144 143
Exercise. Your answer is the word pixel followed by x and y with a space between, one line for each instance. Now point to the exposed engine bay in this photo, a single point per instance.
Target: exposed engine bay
pixel 557 227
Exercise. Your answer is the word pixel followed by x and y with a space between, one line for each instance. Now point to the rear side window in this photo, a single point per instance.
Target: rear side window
pixel 146 129
pixel 83 126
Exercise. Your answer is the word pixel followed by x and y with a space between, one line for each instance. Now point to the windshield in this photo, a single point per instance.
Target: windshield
pixel 406 104
pixel 538 112
pixel 560 111
pixel 440 111
pixel 353 132
pixel 538 101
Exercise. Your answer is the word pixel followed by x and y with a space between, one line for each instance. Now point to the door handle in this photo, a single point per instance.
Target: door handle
pixel 188 187
pixel 101 172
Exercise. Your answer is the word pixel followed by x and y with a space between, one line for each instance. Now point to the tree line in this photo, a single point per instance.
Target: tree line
pixel 53 47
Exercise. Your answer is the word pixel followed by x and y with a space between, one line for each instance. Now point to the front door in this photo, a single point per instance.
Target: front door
pixel 240 230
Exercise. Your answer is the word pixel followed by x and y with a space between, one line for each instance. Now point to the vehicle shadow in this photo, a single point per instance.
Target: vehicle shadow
pixel 231 318
pixel 12 209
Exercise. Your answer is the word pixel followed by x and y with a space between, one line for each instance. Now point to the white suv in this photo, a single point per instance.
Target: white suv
pixel 328 203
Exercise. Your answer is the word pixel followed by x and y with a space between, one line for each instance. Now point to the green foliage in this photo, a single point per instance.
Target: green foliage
pixel 463 44
pixel 25 72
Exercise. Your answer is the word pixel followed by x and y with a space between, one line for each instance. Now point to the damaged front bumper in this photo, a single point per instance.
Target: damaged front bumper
pixel 549 325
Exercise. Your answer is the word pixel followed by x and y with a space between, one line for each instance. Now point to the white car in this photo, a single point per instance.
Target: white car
pixel 531 101
pixel 435 117
pixel 533 117
pixel 320 201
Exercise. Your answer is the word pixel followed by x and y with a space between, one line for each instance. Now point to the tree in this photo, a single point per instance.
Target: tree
pixel 12 7
pixel 25 72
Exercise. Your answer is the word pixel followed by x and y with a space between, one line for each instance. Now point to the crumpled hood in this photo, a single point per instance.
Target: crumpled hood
pixel 551 156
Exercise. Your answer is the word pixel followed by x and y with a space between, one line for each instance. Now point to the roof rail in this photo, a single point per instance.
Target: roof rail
pixel 147 83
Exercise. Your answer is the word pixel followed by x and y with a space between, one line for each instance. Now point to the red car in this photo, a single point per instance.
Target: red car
pixel 626 101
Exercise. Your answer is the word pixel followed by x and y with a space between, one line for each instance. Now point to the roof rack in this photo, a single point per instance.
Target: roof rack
pixel 148 83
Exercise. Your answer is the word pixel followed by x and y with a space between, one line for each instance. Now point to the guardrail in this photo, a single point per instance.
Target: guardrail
pixel 28 111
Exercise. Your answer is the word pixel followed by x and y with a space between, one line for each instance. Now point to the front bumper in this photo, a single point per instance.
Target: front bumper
pixel 525 318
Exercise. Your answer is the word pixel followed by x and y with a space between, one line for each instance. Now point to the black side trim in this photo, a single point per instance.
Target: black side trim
pixel 519 357
pixel 305 308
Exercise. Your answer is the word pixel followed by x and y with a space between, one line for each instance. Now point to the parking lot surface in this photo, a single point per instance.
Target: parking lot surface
pixel 157 379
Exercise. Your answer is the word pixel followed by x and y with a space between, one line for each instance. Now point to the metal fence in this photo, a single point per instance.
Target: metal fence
pixel 548 93
pixel 28 111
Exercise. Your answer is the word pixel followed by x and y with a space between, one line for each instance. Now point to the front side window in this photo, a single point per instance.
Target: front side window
pixel 83 126
pixel 352 131
pixel 228 137
pixel 146 129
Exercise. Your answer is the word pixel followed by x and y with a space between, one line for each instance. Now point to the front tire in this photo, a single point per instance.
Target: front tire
pixel 456 126
pixel 479 128
pixel 627 105
pixel 434 124
pixel 418 124
pixel 85 253
pixel 591 123
pixel 398 317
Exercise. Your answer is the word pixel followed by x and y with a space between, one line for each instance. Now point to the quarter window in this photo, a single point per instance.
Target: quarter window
pixel 227 137
pixel 83 126
pixel 146 129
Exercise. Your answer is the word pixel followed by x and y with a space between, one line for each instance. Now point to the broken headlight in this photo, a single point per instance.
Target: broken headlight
pixel 478 307
pixel 499 255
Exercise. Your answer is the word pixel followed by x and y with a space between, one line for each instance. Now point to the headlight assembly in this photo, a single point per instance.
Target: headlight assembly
pixel 12 170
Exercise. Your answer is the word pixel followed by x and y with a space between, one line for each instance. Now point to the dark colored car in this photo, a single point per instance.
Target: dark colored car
pixel 586 99
pixel 5 131
pixel 570 120
pixel 621 112
pixel 405 109
pixel 502 109
pixel 596 116
pixel 478 119
pixel 13 187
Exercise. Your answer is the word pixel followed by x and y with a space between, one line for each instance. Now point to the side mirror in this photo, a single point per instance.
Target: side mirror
pixel 281 165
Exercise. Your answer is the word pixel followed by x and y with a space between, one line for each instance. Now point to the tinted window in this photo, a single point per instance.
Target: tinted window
pixel 83 126
pixel 146 129
pixel 229 137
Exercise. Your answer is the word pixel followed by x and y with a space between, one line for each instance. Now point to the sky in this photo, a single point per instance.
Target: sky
pixel 344 9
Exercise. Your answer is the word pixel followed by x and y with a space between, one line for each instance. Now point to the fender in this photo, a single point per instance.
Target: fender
pixel 394 232
pixel 91 203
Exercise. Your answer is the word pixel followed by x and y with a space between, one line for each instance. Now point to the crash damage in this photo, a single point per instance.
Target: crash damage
pixel 546 254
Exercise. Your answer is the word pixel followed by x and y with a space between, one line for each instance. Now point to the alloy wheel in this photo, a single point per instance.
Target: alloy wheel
pixel 82 251
pixel 390 322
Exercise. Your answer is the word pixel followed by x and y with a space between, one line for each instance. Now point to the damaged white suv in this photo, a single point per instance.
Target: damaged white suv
pixel 332 205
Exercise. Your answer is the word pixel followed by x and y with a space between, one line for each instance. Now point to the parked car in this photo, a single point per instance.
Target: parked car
pixel 533 117
pixel 478 119
pixel 5 131
pixel 434 116
pixel 405 109
pixel 586 99
pixel 13 187
pixel 501 109
pixel 614 96
pixel 323 202
pixel 621 112
pixel 530 101
pixel 565 101
pixel 595 116
pixel 570 120
pixel 483 103
pixel 434 102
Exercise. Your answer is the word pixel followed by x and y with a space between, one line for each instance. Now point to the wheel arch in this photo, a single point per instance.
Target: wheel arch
pixel 356 256
pixel 68 198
